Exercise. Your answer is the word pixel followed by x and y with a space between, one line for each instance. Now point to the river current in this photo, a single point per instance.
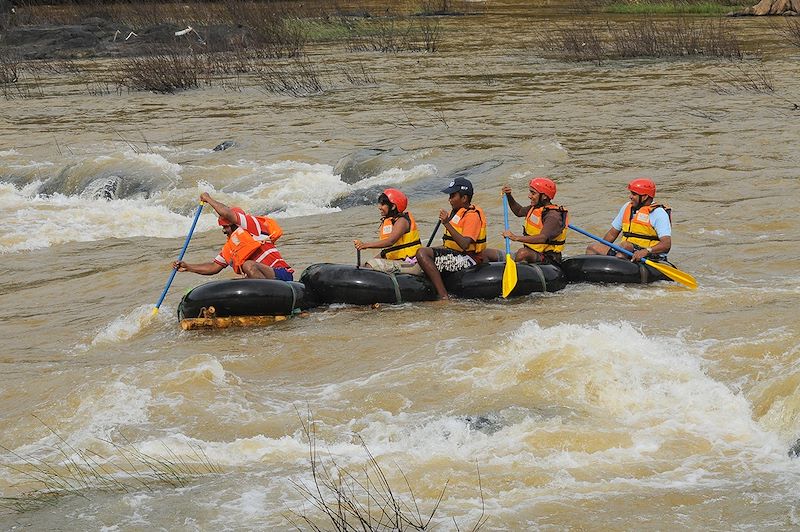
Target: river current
pixel 596 407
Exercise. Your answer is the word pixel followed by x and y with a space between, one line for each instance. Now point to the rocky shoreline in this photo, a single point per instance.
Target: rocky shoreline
pixel 97 37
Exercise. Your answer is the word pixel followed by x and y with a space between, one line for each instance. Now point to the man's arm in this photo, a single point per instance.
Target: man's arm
pixel 222 209
pixel 471 229
pixel 205 268
pixel 518 210
pixel 611 235
pixel 660 221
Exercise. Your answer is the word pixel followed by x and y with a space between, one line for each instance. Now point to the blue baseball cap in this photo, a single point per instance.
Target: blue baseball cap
pixel 459 184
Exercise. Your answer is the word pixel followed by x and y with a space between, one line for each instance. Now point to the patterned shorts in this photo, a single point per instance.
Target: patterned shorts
pixel 447 260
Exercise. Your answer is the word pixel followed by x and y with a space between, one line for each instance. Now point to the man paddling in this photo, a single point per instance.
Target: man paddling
pixel 464 237
pixel 545 230
pixel 646 227
pixel 250 248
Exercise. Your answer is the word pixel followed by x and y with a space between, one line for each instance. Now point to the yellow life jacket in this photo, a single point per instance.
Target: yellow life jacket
pixel 405 246
pixel 636 227
pixel 457 220
pixel 533 226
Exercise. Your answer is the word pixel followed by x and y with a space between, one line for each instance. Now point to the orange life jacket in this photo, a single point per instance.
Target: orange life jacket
pixel 636 227
pixel 533 226
pixel 244 246
pixel 457 221
pixel 405 246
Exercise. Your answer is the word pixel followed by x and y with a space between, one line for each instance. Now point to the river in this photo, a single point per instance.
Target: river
pixel 596 407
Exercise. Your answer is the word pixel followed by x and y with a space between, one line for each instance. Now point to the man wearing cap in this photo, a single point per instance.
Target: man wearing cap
pixel 250 248
pixel 646 227
pixel 464 238
pixel 545 231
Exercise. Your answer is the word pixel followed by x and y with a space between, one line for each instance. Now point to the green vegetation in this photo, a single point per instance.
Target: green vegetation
pixel 671 8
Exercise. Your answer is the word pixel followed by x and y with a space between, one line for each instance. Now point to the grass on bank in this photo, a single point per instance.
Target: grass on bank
pixel 644 37
pixel 671 8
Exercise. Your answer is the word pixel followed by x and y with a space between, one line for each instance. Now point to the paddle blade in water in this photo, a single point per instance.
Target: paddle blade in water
pixel 509 276
pixel 675 274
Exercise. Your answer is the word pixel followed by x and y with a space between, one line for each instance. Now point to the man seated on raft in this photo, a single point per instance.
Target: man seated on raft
pixel 250 248
pixel 646 227
pixel 464 238
pixel 545 231
pixel 398 237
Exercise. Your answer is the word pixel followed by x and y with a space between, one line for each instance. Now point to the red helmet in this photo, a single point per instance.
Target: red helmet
pixel 398 198
pixel 543 185
pixel 224 221
pixel 643 187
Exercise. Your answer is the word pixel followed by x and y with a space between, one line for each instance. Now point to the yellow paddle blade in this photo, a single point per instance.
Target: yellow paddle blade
pixel 673 273
pixel 509 276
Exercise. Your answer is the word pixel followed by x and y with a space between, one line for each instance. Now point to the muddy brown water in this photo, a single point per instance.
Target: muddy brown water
pixel 597 407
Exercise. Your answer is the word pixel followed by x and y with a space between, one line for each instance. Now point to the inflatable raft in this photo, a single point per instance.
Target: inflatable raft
pixel 485 281
pixel 239 302
pixel 340 283
pixel 343 283
pixel 605 269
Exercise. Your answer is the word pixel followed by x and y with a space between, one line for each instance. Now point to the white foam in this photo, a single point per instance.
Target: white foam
pixel 129 325
pixel 202 366
pixel 250 504
pixel 292 188
pixel 29 221
pixel 155 160
pixel 285 189
pixel 237 452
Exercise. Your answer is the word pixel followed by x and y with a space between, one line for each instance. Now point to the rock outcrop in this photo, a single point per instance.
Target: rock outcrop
pixel 772 7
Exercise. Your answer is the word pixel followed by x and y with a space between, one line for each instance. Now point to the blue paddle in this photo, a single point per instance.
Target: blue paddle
pixel 673 273
pixel 180 257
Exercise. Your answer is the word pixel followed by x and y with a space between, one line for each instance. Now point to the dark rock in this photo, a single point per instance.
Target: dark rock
pixel 794 450
pixel 772 7
pixel 361 164
pixel 224 145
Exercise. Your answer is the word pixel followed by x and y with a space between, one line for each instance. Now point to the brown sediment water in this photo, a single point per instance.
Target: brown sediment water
pixel 597 407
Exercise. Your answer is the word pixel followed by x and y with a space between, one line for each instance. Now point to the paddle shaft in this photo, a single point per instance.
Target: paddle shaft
pixel 505 223
pixel 606 242
pixel 180 257
pixel 435 229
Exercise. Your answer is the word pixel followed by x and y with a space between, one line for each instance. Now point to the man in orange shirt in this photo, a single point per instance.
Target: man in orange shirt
pixel 464 237
pixel 250 248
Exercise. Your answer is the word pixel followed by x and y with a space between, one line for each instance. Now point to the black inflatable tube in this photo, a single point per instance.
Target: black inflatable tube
pixel 344 283
pixel 485 281
pixel 245 297
pixel 606 269
pixel 341 283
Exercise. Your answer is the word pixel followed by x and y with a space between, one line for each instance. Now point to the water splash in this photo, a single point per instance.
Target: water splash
pixel 126 327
